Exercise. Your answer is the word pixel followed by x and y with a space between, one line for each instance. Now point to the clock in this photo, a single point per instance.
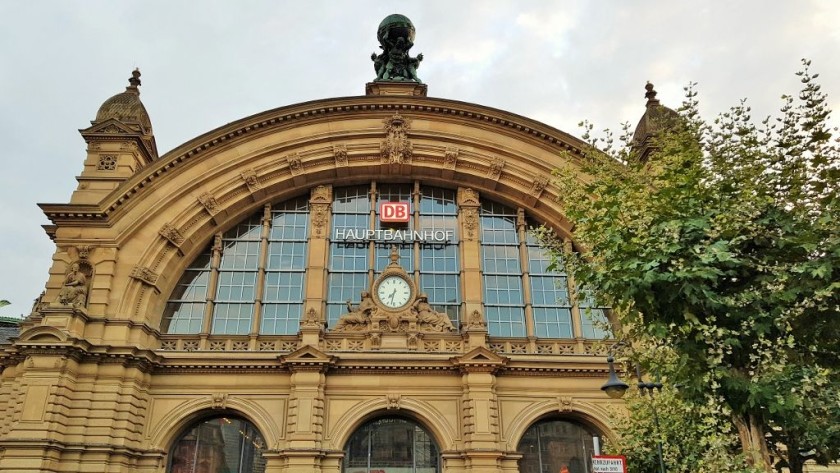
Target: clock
pixel 393 292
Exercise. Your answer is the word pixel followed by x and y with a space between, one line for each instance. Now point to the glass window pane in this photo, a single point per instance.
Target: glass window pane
pixel 232 319
pixel 219 444
pixel 553 322
pixel 505 321
pixel 181 317
pixel 436 201
pixel 280 319
pixel 351 199
pixel 392 444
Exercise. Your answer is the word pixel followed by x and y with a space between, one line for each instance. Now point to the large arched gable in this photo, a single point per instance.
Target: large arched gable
pixel 167 213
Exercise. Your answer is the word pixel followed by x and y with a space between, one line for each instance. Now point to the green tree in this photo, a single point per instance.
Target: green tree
pixel 695 436
pixel 723 244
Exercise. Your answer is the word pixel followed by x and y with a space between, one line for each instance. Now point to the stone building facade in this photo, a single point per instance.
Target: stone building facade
pixel 223 307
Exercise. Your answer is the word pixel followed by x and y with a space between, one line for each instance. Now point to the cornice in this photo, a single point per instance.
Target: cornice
pixel 302 113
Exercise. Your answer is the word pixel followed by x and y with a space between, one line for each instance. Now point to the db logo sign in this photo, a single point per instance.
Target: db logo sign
pixel 394 211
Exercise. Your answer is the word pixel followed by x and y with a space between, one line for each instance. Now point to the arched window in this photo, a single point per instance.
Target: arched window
pixel 218 444
pixel 391 444
pixel 252 279
pixel 259 270
pixel 552 445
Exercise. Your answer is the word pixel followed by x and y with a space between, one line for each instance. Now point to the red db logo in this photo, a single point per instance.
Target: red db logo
pixel 394 211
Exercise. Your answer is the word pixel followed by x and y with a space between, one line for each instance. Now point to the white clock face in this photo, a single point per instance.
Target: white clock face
pixel 393 292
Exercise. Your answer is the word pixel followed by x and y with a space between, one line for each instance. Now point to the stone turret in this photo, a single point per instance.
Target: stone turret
pixel 120 142
pixel 656 118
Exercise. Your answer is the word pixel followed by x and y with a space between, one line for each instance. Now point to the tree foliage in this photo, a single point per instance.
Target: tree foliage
pixel 723 244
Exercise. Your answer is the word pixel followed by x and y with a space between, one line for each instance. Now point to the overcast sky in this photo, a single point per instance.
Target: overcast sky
pixel 207 63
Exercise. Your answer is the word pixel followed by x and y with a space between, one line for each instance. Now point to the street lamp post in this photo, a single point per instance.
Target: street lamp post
pixel 615 388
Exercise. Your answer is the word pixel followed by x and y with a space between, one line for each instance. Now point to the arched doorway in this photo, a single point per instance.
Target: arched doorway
pixel 556 446
pixel 218 444
pixel 391 444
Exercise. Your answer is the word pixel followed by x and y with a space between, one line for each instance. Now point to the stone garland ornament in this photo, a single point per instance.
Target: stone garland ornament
pixel 396 38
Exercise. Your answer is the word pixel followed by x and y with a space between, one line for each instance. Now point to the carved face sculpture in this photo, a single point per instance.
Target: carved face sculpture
pixel 393 292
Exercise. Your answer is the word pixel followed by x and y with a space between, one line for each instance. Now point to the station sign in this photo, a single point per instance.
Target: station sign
pixel 609 464
pixel 394 212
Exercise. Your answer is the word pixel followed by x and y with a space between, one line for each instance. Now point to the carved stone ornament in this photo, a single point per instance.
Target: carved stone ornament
pixel 74 288
pixel 374 313
pixel 311 319
pixel 340 154
pixel 320 213
pixel 144 275
pixel 540 182
pixel 396 148
pixel 209 202
pixel 321 195
pixel 171 234
pixel 476 320
pixel 219 400
pixel 217 242
pixel 251 180
pixel 565 403
pixel 495 170
pixel 467 196
pixel 84 251
pixel 520 217
pixel 470 220
pixel 396 38
pixel 450 157
pixel 295 164
pixel 393 400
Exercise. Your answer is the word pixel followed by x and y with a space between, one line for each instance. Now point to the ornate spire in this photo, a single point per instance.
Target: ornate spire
pixel 134 82
pixel 650 95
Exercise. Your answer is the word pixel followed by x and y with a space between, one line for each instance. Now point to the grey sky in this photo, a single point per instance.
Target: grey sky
pixel 206 63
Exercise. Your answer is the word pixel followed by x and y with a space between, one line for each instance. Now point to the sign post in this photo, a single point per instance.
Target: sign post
pixel 609 464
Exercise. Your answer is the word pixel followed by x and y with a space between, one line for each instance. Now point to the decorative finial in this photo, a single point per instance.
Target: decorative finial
pixel 134 81
pixel 650 95
pixel 395 256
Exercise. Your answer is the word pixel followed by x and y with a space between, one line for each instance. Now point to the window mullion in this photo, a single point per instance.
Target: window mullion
pixel 524 266
pixel 212 284
pixel 259 290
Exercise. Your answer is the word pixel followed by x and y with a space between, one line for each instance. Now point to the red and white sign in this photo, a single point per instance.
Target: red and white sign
pixel 609 464
pixel 394 212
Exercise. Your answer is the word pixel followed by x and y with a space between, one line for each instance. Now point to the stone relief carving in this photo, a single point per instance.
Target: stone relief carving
pixel 321 194
pixel 340 154
pixel 295 164
pixel 311 319
pixel 171 234
pixel 358 319
pixel 470 216
pixel 540 182
pixel 467 196
pixel 396 148
pixel 450 157
pixel 74 289
pixel 428 319
pixel 251 180
pixel 495 170
pixel 145 275
pixel 209 202
pixel 476 320
pixel 393 400
pixel 219 400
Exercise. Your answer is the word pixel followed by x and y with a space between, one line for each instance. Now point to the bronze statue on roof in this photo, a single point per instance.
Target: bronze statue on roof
pixel 394 64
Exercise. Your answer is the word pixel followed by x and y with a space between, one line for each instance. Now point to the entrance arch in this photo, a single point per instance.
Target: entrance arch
pixel 561 445
pixel 220 443
pixel 391 444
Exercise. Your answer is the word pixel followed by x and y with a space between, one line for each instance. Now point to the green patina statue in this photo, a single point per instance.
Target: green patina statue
pixel 396 37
